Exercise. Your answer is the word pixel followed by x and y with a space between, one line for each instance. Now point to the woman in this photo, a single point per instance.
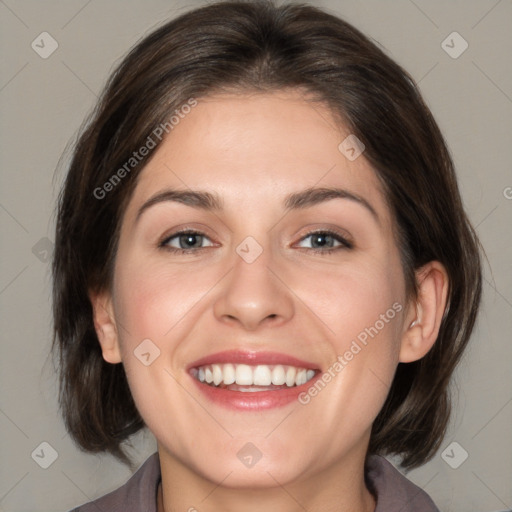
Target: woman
pixel 262 256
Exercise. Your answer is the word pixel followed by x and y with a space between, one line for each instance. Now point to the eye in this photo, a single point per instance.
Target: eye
pixel 186 241
pixel 324 241
pixel 318 241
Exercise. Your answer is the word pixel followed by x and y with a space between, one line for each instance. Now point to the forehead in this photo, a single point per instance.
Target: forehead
pixel 255 147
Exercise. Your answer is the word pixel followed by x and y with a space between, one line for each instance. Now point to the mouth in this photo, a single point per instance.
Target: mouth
pixel 252 381
pixel 247 378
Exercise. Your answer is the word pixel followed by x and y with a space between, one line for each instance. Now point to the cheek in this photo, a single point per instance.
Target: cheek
pixel 157 306
pixel 153 306
pixel 362 306
pixel 153 299
pixel 352 297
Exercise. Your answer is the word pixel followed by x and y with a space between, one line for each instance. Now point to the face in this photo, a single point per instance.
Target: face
pixel 258 296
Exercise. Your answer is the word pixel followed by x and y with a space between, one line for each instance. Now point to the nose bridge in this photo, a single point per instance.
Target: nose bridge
pixel 252 294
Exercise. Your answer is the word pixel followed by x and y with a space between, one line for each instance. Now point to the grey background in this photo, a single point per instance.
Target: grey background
pixel 42 105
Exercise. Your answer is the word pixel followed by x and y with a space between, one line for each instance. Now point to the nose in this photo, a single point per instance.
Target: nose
pixel 253 295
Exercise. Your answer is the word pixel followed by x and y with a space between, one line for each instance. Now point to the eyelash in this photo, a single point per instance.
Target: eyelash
pixel 345 244
pixel 338 237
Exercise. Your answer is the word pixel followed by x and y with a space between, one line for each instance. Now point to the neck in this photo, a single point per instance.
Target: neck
pixel 339 487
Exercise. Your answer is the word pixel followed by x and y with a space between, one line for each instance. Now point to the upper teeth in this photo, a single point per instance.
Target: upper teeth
pixel 261 375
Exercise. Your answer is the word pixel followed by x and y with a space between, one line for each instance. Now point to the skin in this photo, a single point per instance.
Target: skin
pixel 252 150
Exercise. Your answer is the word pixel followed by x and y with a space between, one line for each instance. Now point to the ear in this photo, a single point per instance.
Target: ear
pixel 106 329
pixel 425 314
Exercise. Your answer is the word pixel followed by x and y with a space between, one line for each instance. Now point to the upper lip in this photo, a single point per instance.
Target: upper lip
pixel 253 358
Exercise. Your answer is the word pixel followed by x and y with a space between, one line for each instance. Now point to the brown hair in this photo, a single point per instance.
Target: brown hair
pixel 246 46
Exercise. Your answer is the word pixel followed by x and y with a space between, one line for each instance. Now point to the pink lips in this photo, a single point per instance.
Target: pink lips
pixel 252 358
pixel 257 401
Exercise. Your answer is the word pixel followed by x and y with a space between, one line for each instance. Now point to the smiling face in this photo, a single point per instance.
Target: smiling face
pixel 284 270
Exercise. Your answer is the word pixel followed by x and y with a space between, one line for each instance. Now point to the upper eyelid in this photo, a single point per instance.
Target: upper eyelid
pixel 175 234
pixel 342 239
pixel 335 231
pixel 202 230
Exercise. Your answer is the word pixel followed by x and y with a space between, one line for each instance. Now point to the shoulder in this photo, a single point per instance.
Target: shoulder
pixel 137 494
pixel 393 490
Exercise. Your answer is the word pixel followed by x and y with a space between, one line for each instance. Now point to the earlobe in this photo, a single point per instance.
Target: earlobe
pixel 105 326
pixel 424 320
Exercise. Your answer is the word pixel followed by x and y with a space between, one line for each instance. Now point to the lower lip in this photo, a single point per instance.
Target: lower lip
pixel 253 401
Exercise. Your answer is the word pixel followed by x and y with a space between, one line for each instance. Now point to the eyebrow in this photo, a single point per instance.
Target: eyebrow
pixel 297 200
pixel 313 196
pixel 195 199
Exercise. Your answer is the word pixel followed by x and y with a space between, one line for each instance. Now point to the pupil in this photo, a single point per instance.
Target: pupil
pixel 322 240
pixel 188 240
